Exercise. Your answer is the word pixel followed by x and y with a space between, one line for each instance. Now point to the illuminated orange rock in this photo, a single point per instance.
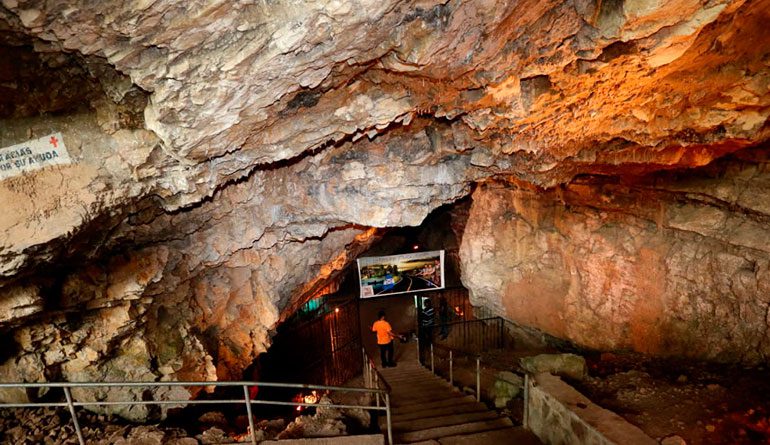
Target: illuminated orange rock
pixel 663 264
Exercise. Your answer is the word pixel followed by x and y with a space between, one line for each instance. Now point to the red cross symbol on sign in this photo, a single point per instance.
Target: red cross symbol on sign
pixel 54 141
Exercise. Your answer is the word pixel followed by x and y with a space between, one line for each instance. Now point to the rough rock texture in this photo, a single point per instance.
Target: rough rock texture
pixel 565 365
pixel 666 264
pixel 233 157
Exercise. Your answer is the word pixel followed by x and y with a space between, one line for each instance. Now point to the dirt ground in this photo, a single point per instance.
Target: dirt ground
pixel 701 403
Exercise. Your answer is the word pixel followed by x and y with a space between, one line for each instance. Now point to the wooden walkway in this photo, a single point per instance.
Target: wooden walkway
pixel 427 410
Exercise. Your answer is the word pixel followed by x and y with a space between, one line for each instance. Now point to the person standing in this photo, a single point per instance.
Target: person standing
pixel 443 316
pixel 385 338
pixel 427 322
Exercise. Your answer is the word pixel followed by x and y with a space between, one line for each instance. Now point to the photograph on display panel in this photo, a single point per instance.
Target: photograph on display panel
pixel 398 274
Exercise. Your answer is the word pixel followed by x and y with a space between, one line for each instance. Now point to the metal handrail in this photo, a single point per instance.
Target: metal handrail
pixel 449 323
pixel 451 369
pixel 373 377
pixel 71 404
pixel 475 355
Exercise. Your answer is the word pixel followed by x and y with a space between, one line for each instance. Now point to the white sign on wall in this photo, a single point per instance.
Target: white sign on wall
pixel 33 155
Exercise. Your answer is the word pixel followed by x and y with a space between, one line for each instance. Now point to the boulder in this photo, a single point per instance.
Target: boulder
pixel 673 440
pixel 565 365
pixel 213 436
pixel 507 386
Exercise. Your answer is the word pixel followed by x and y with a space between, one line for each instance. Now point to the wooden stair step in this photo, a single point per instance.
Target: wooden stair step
pixel 453 430
pixel 423 392
pixel 452 401
pixel 423 400
pixel 446 420
pixel 516 435
pixel 442 411
pixel 408 378
pixel 406 387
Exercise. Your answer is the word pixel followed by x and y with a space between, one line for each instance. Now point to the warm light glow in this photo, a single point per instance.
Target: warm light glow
pixel 337 310
pixel 312 397
pixel 416 247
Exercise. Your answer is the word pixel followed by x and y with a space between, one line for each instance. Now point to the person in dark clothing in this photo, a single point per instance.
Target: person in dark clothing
pixel 427 322
pixel 443 316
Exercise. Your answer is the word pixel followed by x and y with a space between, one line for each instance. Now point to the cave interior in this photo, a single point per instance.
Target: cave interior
pixel 187 189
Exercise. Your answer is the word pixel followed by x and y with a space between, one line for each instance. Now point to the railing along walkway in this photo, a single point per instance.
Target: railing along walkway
pixel 427 409
pixel 374 384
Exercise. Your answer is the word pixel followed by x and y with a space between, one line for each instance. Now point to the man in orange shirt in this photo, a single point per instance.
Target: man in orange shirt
pixel 385 338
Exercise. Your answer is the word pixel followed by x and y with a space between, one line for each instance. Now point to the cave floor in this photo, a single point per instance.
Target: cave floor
pixel 702 403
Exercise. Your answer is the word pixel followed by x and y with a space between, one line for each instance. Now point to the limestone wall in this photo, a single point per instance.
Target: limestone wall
pixel 656 264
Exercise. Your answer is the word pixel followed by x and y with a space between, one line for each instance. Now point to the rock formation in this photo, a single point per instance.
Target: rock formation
pixel 232 157
pixel 673 263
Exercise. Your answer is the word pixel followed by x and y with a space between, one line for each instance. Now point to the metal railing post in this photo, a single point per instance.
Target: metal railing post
pixel 369 378
pixel 478 379
pixel 245 385
pixel 74 415
pixel 451 375
pixel 247 399
pixel 419 352
pixel 432 367
pixel 366 367
pixel 372 374
pixel 387 419
pixel 377 386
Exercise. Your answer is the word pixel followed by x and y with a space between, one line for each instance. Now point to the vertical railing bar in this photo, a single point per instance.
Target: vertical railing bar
pixel 247 399
pixel 74 415
pixel 377 386
pixel 419 351
pixel 365 365
pixel 478 379
pixel 432 367
pixel 451 375
pixel 388 419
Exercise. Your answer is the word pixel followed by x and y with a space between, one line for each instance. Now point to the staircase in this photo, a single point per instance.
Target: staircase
pixel 427 410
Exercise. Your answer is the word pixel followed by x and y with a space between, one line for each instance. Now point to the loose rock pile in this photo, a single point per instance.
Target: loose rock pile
pixel 54 427
pixel 47 426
